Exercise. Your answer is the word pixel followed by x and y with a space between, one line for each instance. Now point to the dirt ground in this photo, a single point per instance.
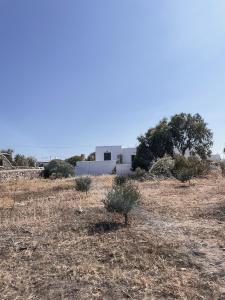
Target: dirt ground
pixel 57 243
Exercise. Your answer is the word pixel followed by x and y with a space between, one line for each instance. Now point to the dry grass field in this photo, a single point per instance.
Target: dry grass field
pixel 54 243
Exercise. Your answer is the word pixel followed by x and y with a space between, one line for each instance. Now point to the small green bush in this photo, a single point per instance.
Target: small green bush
pixel 58 169
pixel 83 184
pixel 197 166
pixel 163 167
pixel 120 180
pixel 122 199
pixel 139 174
pixel 184 174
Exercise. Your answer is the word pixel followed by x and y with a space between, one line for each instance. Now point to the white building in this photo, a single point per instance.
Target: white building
pixel 108 159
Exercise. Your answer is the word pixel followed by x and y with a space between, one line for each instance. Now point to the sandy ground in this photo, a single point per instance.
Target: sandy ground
pixel 56 243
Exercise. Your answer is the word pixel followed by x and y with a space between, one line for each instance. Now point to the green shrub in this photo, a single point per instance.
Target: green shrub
pixel 184 174
pixel 120 180
pixel 58 169
pixel 180 162
pixel 163 167
pixel 122 199
pixel 139 174
pixel 83 184
pixel 197 166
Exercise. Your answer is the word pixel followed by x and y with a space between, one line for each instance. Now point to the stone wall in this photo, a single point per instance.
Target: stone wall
pixel 9 175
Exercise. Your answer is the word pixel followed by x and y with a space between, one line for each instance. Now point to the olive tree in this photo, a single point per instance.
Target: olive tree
pixel 122 199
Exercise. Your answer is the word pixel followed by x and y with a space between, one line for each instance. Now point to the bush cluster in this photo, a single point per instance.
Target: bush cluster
pixel 163 167
pixel 184 174
pixel 120 180
pixel 83 184
pixel 58 168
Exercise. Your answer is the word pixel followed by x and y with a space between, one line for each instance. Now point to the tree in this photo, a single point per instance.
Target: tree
pixel 190 133
pixel 23 161
pixel 91 156
pixel 32 161
pixel 122 199
pixel 156 143
pixel 20 160
pixel 74 159
pixel 58 168
pixel 183 133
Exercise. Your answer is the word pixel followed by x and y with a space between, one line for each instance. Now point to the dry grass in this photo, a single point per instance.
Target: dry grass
pixel 51 247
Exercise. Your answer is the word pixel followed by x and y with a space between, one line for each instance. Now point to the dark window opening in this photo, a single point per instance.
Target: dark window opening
pixel 107 156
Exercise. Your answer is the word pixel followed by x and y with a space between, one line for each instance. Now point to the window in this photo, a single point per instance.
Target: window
pixel 107 156
pixel 132 158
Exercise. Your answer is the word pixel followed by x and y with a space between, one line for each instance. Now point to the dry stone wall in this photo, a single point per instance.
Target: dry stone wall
pixel 10 175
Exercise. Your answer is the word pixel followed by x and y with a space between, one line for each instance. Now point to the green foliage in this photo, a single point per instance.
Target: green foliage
pixel 139 174
pixel 91 156
pixel 197 166
pixel 184 132
pixel 120 180
pixel 23 161
pixel 184 174
pixel 58 168
pixel 83 184
pixel 190 132
pixel 74 159
pixel 163 167
pixel 180 162
pixel 122 199
pixel 154 144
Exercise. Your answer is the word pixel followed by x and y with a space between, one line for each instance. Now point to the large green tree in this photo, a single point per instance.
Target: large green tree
pixel 191 134
pixel 154 144
pixel 182 133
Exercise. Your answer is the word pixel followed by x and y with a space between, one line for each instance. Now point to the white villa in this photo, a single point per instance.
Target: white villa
pixel 108 159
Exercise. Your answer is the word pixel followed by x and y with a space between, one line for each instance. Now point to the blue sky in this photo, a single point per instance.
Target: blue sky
pixel 80 73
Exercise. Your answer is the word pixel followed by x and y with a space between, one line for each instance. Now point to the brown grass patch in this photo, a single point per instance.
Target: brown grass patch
pixel 57 243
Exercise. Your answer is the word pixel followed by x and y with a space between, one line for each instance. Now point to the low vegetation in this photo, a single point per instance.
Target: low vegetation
pixel 83 184
pixel 58 169
pixel 122 199
pixel 120 179
pixel 184 174
pixel 163 167
pixel 52 245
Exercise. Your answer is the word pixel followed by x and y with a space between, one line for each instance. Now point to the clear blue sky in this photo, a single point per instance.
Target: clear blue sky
pixel 80 73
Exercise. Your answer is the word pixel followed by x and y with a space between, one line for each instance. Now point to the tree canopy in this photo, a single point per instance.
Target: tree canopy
pixel 190 132
pixel 183 132
pixel 74 159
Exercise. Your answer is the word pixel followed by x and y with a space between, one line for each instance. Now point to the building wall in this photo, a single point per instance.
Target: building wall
pixel 123 169
pixel 127 153
pixel 115 151
pixel 95 167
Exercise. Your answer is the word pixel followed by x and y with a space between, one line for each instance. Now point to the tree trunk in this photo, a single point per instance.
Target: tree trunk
pixel 126 219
